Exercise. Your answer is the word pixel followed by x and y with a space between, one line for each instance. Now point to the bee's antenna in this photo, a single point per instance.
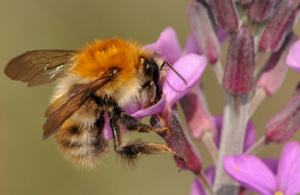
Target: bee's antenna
pixel 165 62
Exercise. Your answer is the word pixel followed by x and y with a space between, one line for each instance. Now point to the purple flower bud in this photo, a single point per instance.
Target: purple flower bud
pixel 196 112
pixel 275 70
pixel 202 27
pixel 284 124
pixel 261 10
pixel 238 75
pixel 225 14
pixel 179 142
pixel 279 25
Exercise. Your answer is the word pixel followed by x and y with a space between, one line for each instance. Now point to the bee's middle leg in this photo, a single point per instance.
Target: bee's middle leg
pixel 119 118
pixel 132 124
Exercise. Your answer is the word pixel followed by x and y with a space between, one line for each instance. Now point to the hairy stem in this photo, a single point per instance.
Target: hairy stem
pixel 218 71
pixel 259 96
pixel 209 142
pixel 232 140
pixel 260 144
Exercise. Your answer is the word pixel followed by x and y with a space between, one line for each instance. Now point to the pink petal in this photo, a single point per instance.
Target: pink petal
pixel 293 58
pixel 210 174
pixel 107 131
pixel 222 34
pixel 289 169
pixel 190 67
pixel 157 108
pixel 272 163
pixel 130 109
pixel 250 135
pixel 196 112
pixel 274 72
pixel 191 45
pixel 168 45
pixel 251 173
pixel 197 188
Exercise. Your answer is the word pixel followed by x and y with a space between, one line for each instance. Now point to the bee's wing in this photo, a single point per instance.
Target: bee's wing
pixel 39 67
pixel 66 105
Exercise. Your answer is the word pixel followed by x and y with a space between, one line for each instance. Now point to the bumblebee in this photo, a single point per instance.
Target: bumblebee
pixel 95 82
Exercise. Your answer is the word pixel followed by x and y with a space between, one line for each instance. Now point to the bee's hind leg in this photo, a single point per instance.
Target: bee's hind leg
pixel 133 150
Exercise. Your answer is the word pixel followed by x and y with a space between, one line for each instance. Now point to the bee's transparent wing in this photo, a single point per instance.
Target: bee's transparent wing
pixel 39 67
pixel 66 105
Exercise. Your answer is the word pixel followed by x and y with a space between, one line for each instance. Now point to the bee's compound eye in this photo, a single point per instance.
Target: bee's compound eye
pixel 152 70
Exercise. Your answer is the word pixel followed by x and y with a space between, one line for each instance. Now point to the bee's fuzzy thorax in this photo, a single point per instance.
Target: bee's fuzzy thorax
pixel 99 57
pixel 96 59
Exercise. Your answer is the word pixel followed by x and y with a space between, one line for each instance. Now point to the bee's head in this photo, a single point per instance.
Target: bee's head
pixel 151 70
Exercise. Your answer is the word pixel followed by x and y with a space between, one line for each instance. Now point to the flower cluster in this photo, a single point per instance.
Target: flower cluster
pixel 262 46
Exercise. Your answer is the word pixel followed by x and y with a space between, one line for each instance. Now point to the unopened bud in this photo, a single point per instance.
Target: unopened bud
pixel 225 14
pixel 283 125
pixel 275 70
pixel 239 69
pixel 178 140
pixel 196 112
pixel 279 25
pixel 261 10
pixel 201 25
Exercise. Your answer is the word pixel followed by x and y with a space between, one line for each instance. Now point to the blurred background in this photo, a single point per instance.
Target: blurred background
pixel 29 165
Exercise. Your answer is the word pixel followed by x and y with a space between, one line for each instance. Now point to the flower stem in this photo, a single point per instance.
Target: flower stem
pixel 260 95
pixel 202 178
pixel 260 144
pixel 232 140
pixel 210 145
pixel 261 56
pixel 218 71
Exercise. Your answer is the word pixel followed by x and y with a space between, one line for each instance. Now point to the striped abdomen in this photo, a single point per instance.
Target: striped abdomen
pixel 80 136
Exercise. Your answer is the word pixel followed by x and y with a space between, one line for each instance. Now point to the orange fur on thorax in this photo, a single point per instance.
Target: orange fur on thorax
pixel 98 58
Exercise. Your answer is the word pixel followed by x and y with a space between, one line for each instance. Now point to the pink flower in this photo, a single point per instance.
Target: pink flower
pixel 189 66
pixel 253 174
pixel 293 58
pixel 196 187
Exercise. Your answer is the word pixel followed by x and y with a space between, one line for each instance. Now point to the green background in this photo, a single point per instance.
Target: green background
pixel 29 165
